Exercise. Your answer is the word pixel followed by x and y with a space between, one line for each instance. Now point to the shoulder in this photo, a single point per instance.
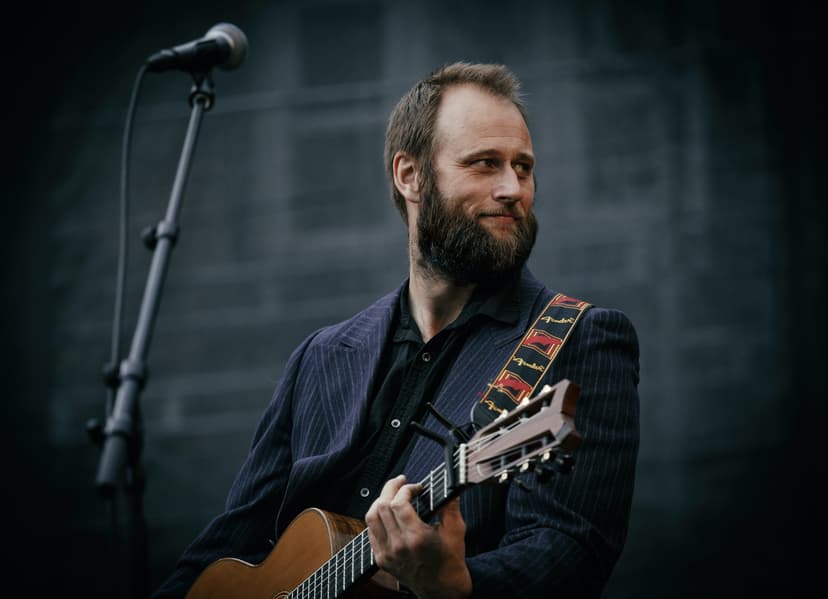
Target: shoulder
pixel 593 319
pixel 607 321
pixel 605 338
pixel 360 328
pixel 601 333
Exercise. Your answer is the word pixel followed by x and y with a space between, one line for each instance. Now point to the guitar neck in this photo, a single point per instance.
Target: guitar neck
pixel 538 435
pixel 436 492
pixel 356 559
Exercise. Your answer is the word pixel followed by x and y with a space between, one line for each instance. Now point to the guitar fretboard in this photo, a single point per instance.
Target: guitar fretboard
pixel 356 559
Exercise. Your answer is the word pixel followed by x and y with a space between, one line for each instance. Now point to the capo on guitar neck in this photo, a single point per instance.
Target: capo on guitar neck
pixel 450 444
pixel 459 435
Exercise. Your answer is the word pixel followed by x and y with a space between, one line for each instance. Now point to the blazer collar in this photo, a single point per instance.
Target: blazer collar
pixel 362 331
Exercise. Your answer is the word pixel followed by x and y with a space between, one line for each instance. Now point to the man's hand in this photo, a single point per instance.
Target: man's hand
pixel 428 559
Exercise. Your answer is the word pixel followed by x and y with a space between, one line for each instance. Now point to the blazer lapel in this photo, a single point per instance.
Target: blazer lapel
pixel 482 357
pixel 330 418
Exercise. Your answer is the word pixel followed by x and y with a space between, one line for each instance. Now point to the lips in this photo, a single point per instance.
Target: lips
pixel 501 216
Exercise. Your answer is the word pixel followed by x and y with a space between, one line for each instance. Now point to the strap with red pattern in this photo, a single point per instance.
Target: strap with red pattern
pixel 531 359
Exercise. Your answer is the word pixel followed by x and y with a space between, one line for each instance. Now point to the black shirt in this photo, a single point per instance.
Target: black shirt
pixel 413 373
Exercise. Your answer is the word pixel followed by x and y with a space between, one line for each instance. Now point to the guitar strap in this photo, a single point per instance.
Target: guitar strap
pixel 517 381
pixel 532 357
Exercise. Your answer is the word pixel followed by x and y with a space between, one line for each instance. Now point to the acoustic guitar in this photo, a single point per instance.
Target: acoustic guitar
pixel 322 555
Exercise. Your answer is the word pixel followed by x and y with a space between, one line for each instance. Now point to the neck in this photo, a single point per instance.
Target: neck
pixel 435 301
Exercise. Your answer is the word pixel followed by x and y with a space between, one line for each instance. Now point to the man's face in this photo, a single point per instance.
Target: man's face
pixel 476 222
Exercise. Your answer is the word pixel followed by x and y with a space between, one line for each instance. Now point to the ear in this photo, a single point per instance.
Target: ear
pixel 406 178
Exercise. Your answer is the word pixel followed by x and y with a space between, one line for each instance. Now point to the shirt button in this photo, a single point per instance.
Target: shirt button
pixel 426 356
pixel 364 492
pixel 396 423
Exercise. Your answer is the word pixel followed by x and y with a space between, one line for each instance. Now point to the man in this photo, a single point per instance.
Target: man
pixel 461 165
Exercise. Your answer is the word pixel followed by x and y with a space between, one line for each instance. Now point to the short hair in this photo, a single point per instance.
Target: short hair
pixel 411 126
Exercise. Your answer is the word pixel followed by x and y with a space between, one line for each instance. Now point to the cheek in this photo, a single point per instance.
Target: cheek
pixel 476 205
pixel 529 196
pixel 462 198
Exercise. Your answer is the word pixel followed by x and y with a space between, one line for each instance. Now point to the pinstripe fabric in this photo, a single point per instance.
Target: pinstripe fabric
pixel 563 536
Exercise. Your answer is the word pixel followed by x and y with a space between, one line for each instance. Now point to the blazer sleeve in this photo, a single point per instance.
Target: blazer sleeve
pixel 566 534
pixel 246 527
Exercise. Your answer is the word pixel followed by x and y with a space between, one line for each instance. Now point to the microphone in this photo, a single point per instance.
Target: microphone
pixel 224 46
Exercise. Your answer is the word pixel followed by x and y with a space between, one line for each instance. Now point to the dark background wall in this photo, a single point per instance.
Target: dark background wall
pixel 678 181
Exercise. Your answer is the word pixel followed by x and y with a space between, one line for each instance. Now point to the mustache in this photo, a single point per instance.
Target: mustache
pixel 514 213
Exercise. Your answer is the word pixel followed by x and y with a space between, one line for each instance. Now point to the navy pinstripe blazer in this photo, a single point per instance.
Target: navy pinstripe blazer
pixel 564 536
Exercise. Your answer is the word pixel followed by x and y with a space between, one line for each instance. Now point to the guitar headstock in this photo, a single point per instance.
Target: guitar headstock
pixel 537 432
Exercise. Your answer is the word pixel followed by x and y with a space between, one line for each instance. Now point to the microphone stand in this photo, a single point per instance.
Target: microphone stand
pixel 120 477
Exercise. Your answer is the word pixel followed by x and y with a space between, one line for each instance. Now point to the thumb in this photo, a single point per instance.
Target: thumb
pixel 450 515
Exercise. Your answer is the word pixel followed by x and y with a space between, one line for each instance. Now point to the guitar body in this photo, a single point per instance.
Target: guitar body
pixel 317 554
pixel 310 540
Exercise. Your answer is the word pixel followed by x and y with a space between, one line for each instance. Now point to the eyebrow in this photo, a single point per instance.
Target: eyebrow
pixel 521 156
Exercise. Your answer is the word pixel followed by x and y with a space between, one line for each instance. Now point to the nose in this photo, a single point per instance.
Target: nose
pixel 509 188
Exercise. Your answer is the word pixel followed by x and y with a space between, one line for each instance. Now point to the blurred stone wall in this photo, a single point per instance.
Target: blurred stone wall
pixel 677 182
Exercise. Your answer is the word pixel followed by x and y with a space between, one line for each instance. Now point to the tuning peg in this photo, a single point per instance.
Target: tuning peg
pixel 522 485
pixel 503 477
pixel 544 472
pixel 564 463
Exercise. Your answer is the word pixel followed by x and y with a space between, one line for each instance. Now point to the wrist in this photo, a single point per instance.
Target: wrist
pixel 457 585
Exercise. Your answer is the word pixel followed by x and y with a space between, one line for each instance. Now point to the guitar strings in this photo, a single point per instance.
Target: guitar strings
pixel 341 561
pixel 345 560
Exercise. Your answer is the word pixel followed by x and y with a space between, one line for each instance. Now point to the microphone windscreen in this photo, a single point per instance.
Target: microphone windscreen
pixel 237 40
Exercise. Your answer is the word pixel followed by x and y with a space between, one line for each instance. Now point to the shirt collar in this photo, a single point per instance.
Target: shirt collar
pixel 498 301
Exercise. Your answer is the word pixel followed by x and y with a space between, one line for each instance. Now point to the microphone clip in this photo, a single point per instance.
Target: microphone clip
pixel 202 91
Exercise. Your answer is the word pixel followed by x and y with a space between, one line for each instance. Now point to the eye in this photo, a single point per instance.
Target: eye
pixel 485 162
pixel 523 169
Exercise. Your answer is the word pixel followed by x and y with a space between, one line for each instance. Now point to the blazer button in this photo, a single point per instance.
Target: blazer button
pixel 396 423
pixel 426 356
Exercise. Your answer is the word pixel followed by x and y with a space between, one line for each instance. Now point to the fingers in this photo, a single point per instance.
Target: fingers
pixel 393 506
pixel 392 519
pixel 380 519
pixel 401 507
pixel 429 560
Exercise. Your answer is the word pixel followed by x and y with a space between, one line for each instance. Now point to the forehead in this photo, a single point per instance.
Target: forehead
pixel 471 118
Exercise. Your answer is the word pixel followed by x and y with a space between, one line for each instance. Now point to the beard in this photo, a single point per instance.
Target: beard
pixel 458 247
